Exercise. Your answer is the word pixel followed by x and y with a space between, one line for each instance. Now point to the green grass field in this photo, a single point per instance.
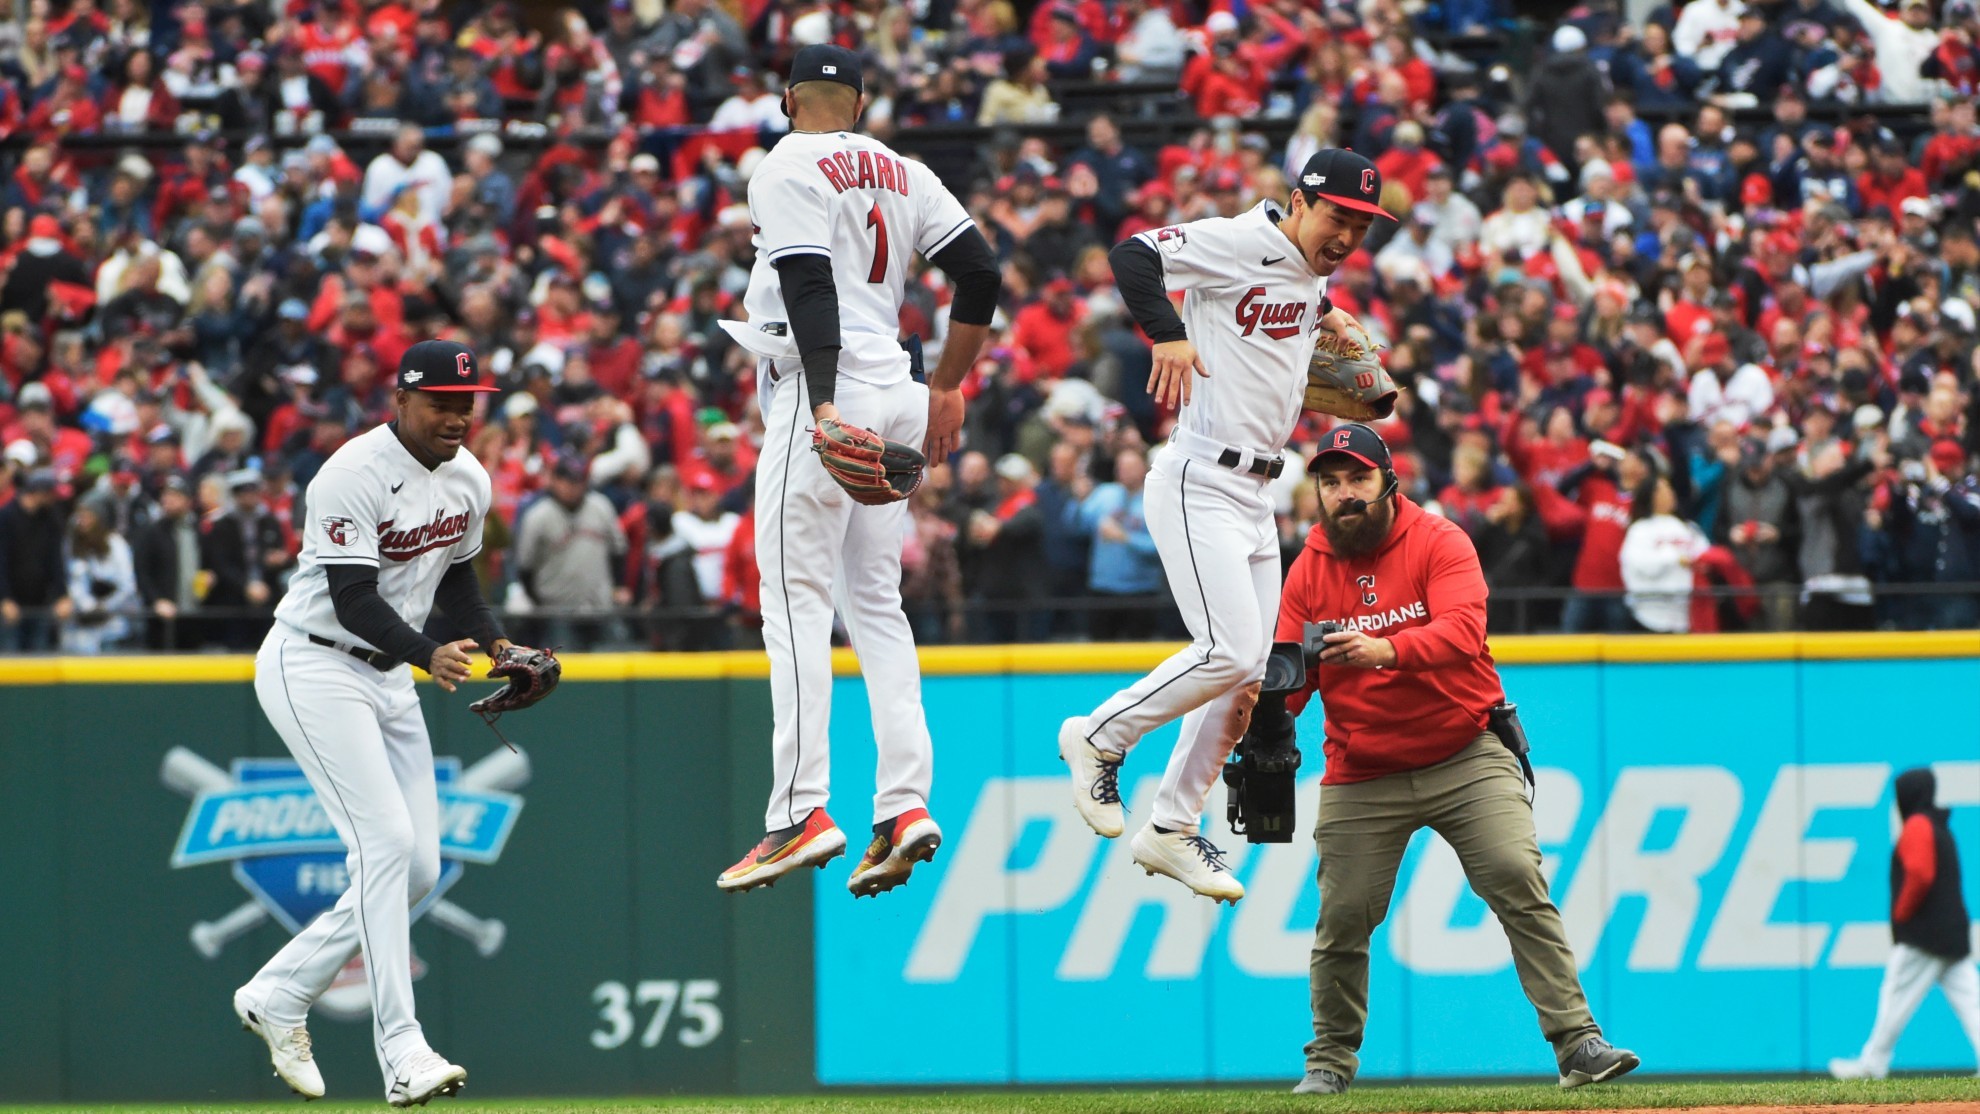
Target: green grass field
pixel 1366 1100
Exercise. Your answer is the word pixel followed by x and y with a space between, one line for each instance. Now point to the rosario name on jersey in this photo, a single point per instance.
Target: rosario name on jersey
pixel 849 197
pixel 1251 306
pixel 374 504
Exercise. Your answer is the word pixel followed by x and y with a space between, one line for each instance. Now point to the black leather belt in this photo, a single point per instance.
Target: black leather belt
pixel 1270 469
pixel 376 659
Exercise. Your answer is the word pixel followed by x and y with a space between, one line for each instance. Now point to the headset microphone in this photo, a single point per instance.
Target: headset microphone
pixel 1360 506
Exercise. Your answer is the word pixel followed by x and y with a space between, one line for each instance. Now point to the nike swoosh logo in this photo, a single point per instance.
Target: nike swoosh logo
pixel 397 486
pixel 1274 259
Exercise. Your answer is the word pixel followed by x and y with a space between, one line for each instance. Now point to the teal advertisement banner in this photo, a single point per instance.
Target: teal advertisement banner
pixel 1717 837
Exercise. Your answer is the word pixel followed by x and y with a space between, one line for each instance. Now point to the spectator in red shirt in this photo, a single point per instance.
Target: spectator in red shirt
pixel 562 319
pixel 1891 179
pixel 1954 148
pixel 1407 160
pixel 1044 328
pixel 68 110
pixel 1602 487
pixel 62 448
pixel 614 356
pixel 724 459
pixel 1689 317
pixel 331 46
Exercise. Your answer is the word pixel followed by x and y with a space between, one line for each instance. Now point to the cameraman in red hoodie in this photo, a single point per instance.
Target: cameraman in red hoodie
pixel 1418 733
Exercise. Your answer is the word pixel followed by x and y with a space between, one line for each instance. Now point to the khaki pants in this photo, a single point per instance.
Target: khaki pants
pixel 1477 801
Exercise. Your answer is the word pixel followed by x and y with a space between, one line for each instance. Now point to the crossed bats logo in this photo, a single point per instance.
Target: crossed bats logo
pixel 262 816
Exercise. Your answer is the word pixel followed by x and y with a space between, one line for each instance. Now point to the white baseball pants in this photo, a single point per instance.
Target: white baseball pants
pixel 358 735
pixel 816 547
pixel 1908 975
pixel 1220 550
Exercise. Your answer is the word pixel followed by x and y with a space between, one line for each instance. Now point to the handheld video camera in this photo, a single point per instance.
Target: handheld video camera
pixel 1264 765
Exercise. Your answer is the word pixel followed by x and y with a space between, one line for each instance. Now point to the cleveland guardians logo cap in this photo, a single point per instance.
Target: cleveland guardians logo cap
pixel 1355 440
pixel 1344 178
pixel 441 365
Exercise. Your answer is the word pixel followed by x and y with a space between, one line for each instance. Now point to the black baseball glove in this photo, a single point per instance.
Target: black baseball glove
pixel 531 675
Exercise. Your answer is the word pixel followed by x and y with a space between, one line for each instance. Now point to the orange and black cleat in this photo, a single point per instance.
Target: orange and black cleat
pixel 815 842
pixel 898 844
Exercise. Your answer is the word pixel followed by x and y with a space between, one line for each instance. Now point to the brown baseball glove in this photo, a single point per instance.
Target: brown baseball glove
pixel 1346 379
pixel 872 469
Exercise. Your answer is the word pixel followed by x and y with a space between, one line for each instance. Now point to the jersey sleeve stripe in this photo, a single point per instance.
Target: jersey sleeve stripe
pixel 946 237
pixel 467 556
pixel 368 562
pixel 799 249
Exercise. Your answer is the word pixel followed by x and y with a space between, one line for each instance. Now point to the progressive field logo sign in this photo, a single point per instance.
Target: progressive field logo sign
pixel 261 816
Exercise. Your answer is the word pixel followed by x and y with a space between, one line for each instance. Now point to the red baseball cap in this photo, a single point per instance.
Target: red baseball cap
pixel 1344 178
pixel 44 227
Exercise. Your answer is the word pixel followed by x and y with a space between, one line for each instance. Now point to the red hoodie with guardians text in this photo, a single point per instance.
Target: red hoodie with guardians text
pixel 1424 592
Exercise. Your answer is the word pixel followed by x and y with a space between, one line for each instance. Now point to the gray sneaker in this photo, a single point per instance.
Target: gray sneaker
pixel 1596 1061
pixel 1320 1081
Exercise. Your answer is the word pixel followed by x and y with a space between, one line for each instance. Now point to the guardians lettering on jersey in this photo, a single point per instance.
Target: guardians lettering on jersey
pixel 404 545
pixel 1277 320
pixel 1386 620
pixel 864 170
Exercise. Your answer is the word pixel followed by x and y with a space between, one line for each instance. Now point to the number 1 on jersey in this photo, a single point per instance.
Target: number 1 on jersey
pixel 878 224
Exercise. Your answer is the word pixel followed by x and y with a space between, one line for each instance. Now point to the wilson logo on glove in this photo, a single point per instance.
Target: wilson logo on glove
pixel 1346 379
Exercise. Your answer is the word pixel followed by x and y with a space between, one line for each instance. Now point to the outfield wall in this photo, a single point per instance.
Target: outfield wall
pixel 1715 813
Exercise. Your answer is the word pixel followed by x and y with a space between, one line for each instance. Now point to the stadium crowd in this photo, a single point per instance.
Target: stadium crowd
pixel 1667 340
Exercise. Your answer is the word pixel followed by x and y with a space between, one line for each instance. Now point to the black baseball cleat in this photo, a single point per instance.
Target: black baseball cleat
pixel 815 842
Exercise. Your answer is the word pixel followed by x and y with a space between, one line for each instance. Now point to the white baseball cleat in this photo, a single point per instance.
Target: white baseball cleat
pixel 1096 779
pixel 426 1075
pixel 288 1049
pixel 1189 859
pixel 1853 1069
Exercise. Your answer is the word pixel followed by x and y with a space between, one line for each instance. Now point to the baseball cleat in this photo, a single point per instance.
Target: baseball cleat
pixel 1189 859
pixel 426 1076
pixel 1320 1081
pixel 898 844
pixel 1096 779
pixel 1596 1061
pixel 815 842
pixel 1853 1069
pixel 288 1050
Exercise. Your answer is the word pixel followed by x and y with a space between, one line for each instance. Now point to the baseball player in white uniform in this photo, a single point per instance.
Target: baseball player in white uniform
pixel 837 215
pixel 1254 292
pixel 392 522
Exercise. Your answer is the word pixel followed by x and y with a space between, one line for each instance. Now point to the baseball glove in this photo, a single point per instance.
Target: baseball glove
pixel 872 469
pixel 531 675
pixel 1346 379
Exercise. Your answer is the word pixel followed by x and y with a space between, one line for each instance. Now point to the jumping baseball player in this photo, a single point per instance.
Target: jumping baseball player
pixel 837 215
pixel 1255 293
pixel 393 521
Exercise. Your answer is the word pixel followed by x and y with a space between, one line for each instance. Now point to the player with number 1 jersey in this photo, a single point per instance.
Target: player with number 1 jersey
pixel 837 216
